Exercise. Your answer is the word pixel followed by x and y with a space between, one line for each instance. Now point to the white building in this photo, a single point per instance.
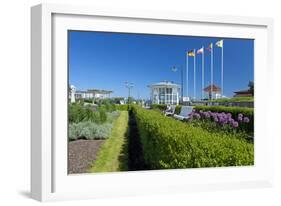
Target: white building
pixel 164 92
pixel 88 94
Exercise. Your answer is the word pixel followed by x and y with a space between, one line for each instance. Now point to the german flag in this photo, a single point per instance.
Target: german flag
pixel 191 53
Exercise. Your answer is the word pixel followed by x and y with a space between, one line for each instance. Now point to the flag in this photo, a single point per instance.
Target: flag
pixel 200 51
pixel 191 53
pixel 209 48
pixel 219 43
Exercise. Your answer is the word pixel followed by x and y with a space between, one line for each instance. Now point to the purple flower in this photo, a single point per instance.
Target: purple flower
pixel 246 119
pixel 240 119
pixel 216 119
pixel 230 120
pixel 229 115
pixel 193 110
pixel 197 116
pixel 240 115
pixel 206 114
pixel 214 115
pixel 235 124
pixel 222 120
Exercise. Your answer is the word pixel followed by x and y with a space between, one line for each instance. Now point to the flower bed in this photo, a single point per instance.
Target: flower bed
pixel 173 144
pixel 237 117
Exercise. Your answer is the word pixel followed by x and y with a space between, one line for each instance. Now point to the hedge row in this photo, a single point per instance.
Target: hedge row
pixel 122 107
pixel 173 144
pixel 235 99
pixel 163 107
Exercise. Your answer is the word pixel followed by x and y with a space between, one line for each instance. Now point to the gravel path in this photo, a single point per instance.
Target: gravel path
pixel 81 154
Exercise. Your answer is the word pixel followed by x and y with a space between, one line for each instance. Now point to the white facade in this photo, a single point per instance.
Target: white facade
pixel 164 93
pixel 87 94
pixel 72 93
pixel 91 95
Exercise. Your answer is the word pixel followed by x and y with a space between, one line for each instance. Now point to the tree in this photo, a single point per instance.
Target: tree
pixel 130 100
pixel 251 87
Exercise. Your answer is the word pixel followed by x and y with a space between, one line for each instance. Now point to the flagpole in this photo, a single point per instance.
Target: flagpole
pixel 212 75
pixel 187 74
pixel 202 74
pixel 222 71
pixel 194 72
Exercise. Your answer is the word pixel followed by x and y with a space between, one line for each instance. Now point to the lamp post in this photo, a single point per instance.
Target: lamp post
pixel 174 69
pixel 129 86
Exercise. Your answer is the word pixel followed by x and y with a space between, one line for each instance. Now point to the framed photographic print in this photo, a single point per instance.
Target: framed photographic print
pixel 135 102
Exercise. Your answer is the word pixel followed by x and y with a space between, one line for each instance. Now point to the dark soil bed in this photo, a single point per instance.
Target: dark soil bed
pixel 81 154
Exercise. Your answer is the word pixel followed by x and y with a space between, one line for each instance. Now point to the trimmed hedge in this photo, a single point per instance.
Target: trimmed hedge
pixel 235 99
pixel 173 144
pixel 122 107
pixel 163 107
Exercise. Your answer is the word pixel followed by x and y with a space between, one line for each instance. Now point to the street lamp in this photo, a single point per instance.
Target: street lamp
pixel 129 86
pixel 175 69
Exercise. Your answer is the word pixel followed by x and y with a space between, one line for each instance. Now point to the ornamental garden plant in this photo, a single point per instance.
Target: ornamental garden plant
pixel 221 122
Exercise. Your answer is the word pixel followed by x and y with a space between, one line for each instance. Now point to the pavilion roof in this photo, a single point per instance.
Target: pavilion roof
pixel 246 91
pixel 164 83
pixel 99 91
pixel 213 88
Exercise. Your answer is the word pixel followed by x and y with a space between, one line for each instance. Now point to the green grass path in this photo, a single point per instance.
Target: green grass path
pixel 112 155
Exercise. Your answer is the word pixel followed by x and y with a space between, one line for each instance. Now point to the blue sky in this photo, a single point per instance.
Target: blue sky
pixel 104 60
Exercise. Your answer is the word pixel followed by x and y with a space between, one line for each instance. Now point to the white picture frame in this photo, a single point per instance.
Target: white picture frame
pixel 49 180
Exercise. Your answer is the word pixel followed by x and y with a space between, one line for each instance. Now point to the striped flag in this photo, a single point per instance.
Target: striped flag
pixel 219 43
pixel 209 48
pixel 200 51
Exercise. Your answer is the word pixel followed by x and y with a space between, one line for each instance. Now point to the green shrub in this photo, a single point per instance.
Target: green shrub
pixel 235 99
pixel 109 107
pixel 122 107
pixel 79 113
pixel 89 130
pixel 75 112
pixel 173 144
pixel 161 107
pixel 88 101
pixel 178 109
pixel 103 116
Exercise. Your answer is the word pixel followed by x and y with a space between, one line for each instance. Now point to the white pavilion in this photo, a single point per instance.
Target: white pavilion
pixel 164 92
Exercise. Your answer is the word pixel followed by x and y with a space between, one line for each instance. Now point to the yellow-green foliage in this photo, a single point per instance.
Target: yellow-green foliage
pixel 122 107
pixel 168 143
pixel 235 99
